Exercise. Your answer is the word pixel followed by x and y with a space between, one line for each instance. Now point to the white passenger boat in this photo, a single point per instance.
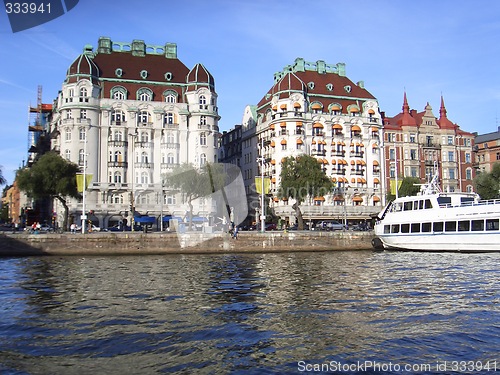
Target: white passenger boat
pixel 439 221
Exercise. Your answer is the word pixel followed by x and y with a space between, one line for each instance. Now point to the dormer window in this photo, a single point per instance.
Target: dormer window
pixel 144 74
pixel 203 102
pixel 118 72
pixel 119 93
pixel 144 95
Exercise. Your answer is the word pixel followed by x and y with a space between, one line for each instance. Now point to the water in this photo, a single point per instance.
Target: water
pixel 250 313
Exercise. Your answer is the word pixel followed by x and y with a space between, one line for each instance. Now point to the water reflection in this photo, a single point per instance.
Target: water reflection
pixel 252 313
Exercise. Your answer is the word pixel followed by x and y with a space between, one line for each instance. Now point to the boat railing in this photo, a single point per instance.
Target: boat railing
pixel 484 202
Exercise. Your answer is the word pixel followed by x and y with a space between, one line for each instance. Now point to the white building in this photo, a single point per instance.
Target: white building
pixel 314 109
pixel 134 111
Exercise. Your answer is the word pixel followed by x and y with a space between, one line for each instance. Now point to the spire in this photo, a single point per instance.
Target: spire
pixel 442 109
pixel 406 107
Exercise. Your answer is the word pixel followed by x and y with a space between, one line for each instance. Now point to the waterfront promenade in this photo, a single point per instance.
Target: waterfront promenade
pixel 138 243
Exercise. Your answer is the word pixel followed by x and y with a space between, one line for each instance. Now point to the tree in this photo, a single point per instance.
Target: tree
pixel 51 176
pixel 302 177
pixel 195 183
pixel 488 184
pixel 2 178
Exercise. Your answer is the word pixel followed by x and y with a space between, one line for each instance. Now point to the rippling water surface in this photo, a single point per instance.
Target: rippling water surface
pixel 250 313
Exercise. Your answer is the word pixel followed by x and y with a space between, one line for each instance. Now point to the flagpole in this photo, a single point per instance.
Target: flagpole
pixel 84 215
pixel 262 208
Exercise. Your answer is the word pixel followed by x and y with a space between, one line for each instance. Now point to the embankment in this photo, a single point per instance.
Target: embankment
pixel 111 243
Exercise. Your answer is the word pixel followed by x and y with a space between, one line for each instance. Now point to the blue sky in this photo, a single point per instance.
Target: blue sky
pixel 428 48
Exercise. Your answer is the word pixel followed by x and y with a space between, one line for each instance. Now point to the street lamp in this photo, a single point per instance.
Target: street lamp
pixel 262 160
pixel 84 212
pixel 132 198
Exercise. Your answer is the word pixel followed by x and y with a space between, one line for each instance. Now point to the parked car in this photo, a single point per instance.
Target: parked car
pixel 271 226
pixel 330 225
pixel 46 228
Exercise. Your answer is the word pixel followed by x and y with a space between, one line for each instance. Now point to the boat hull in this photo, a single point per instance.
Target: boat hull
pixel 467 242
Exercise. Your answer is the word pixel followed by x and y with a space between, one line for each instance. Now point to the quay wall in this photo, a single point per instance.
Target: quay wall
pixel 133 243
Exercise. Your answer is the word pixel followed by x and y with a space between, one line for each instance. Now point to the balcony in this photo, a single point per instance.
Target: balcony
pixel 144 165
pixel 118 143
pixel 119 164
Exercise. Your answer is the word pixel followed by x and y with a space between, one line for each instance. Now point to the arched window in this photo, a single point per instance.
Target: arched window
pixel 67 133
pixel 203 160
pixel 119 93
pixel 144 95
pixel 170 137
pixel 170 158
pixel 67 154
pixel 118 136
pixel 81 156
pixel 118 156
pixel 203 139
pixel 83 92
pixel 118 178
pixel 144 157
pixel 144 178
pixel 144 137
pixel 170 96
pixel 82 134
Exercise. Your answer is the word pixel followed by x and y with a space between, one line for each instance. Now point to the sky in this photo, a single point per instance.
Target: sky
pixel 427 48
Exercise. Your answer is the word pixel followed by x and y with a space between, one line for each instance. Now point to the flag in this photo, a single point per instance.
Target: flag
pixel 393 186
pixel 258 185
pixel 79 181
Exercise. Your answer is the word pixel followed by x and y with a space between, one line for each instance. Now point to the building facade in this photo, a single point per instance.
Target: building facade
pixel 487 148
pixel 417 144
pixel 131 112
pixel 314 109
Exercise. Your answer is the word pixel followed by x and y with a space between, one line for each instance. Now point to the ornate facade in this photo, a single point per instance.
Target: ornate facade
pixel 133 112
pixel 416 143
pixel 314 109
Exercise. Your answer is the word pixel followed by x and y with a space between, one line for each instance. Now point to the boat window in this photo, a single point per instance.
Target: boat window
pixel 396 207
pixel 491 224
pixel 408 206
pixel 415 227
pixel 428 203
pixel 405 228
pixel 426 227
pixel 450 226
pixel 421 204
pixel 415 205
pixel 466 200
pixel 444 200
pixel 438 226
pixel 387 229
pixel 477 225
pixel 464 226
pixel 395 228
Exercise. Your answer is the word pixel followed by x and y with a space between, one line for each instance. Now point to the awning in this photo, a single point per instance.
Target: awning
pixel 354 109
pixel 338 198
pixel 283 142
pixel 374 129
pixel 376 180
pixel 335 107
pixel 276 199
pixel 337 126
pixel 283 106
pixel 296 105
pixel 299 141
pixel 353 162
pixel 273 144
pixel 334 161
pixel 283 125
pixel 271 126
pixel 357 199
pixel 355 128
pixel 273 180
pixel 376 199
pixel 298 123
pixel 375 163
pixel 273 162
pixel 319 199
pixel 325 161
pixel 145 219
pixel 371 111
pixel 275 107
pixel 320 161
pixel 316 106
pixel 318 126
pixel 334 179
pixel 374 145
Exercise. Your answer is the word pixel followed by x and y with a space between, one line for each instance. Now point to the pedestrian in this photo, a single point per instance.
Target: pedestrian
pixel 73 228
pixel 235 233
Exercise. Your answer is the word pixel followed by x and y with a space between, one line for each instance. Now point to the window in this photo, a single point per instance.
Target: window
pixel 144 137
pixel 477 225
pixel 450 140
pixel 170 158
pixel 464 226
pixel 170 137
pixel 450 226
pixel 67 134
pixel 144 178
pixel 203 160
pixel 392 154
pixel 117 117
pixel 391 137
pixel 144 95
pixel 405 228
pixel 169 118
pixel 82 134
pixel 467 157
pixel 170 199
pixel 451 156
pixel 118 136
pixel 118 178
pixel 203 139
pixel 69 115
pixel 203 120
pixel 451 173
pixel 81 156
pixel 67 154
pixel 468 174
pixel 83 92
pixel 119 93
pixel 492 224
pixel 426 227
pixel 437 226
pixel 83 114
pixel 413 154
pixel 395 228
pixel 144 157
pixel 203 102
pixel 412 138
pixel 143 117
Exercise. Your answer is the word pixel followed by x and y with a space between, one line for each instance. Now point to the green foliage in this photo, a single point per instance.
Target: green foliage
pixel 302 177
pixel 50 177
pixel 2 178
pixel 488 184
